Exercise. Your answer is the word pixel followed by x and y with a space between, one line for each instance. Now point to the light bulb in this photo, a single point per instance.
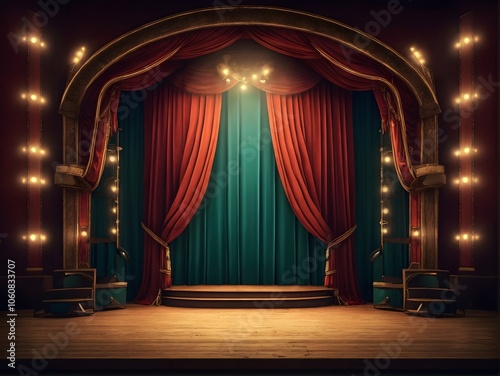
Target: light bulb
pixel 466 40
pixel 33 237
pixel 465 179
pixel 387 159
pixel 243 86
pixel 225 71
pixel 385 211
pixel 84 234
pixel 112 158
pixel 385 189
pixel 34 40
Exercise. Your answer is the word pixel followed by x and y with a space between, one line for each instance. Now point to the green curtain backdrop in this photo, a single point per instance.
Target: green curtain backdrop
pixel 367 142
pixel 245 231
pixel 131 125
pixel 366 123
pixel 103 255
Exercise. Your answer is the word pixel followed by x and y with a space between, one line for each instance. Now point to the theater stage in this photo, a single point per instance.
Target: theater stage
pixel 348 340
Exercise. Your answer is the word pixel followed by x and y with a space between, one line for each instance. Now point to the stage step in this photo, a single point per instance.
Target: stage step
pixel 248 296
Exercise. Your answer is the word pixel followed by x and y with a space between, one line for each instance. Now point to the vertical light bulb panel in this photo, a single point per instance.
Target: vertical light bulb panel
pixel 34 129
pixel 466 139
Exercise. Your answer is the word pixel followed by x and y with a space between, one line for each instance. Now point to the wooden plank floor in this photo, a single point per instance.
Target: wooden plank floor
pixel 328 338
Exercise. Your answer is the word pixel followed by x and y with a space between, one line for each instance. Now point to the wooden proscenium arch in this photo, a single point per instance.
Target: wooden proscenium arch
pixel 430 175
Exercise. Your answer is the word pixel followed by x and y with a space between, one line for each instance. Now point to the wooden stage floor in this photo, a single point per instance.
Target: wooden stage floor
pixel 357 340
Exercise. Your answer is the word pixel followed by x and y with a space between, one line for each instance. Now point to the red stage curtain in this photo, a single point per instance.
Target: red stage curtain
pixel 181 136
pixel 313 143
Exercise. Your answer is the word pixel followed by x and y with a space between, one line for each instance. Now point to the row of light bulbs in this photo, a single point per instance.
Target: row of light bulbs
pixel 467 237
pixel 465 97
pixel 34 40
pixel 417 55
pixel 78 56
pixel 34 237
pixel 34 150
pixel 33 97
pixel 466 41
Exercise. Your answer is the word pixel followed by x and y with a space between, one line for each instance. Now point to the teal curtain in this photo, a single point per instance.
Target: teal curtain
pixel 368 141
pixel 245 231
pixel 103 255
pixel 396 201
pixel 366 123
pixel 132 192
pixel 103 220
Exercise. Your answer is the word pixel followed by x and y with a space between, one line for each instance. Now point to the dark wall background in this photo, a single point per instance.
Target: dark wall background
pixel 431 25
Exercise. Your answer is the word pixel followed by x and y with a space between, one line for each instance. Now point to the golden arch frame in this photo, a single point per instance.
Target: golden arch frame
pixel 430 174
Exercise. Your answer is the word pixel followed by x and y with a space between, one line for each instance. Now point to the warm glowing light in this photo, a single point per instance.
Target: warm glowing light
pixel 465 179
pixel 385 189
pixel 34 237
pixel 113 230
pixel 114 210
pixel 476 39
pixel 114 188
pixel 416 233
pixel 457 237
pixel 457 45
pixel 33 179
pixel 385 211
pixel 24 180
pixel 225 71
pixel 476 237
pixel 466 150
pixel 456 181
pixel 385 231
pixel 387 159
pixel 33 97
pixel 457 152
pixel 83 234
pixel 243 86
pixel 33 149
pixel 228 80
pixel 78 55
pixel 254 76
pixel 23 95
pixel 458 100
pixel 112 158
pixel 466 96
pixel 465 236
pixel 412 49
pixel 466 40
pixel 42 44
pixel 265 72
pixel 34 40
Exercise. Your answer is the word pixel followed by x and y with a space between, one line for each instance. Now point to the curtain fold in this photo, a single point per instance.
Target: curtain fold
pixel 181 135
pixel 313 142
